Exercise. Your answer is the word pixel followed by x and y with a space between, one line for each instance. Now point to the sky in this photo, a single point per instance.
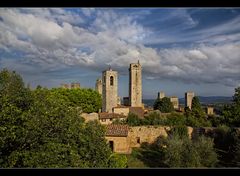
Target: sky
pixel 180 49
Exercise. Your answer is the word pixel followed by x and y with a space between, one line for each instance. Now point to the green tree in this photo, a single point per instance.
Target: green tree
pixel 118 161
pixel 133 120
pixel 46 132
pixel 197 110
pixel 184 152
pixel 154 119
pixel 225 142
pixel 179 130
pixel 236 159
pixel 164 105
pixel 57 130
pixel 175 119
pixel 87 100
pixel 15 101
pixel 231 112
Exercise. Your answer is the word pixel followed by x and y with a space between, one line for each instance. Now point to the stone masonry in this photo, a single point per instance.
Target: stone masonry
pixel 188 99
pixel 109 90
pixel 98 86
pixel 135 85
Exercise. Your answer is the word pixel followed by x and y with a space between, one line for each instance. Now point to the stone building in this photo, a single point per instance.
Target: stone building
pixel 123 138
pixel 188 99
pixel 117 137
pixel 210 110
pixel 71 86
pixel 90 117
pixel 161 95
pixel 119 100
pixel 109 90
pixel 175 102
pixel 135 85
pixel 124 110
pixel 139 111
pixel 107 118
pixel 98 86
pixel 75 85
pixel 65 86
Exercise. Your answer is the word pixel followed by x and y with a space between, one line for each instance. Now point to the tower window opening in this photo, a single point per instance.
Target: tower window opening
pixel 111 81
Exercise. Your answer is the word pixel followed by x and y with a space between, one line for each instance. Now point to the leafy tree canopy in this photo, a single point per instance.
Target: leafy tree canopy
pixel 164 105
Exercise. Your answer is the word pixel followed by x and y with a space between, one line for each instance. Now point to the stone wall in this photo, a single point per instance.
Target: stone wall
pixel 175 102
pixel 89 117
pixel 106 121
pixel 149 134
pixel 120 144
pixel 121 110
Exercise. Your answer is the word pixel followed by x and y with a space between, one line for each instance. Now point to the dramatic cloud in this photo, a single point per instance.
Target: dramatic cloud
pixel 52 39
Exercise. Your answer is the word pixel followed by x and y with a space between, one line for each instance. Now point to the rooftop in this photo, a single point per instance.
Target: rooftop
pixel 106 115
pixel 117 130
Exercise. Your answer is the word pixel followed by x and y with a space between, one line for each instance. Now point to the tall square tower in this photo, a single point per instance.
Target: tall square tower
pixel 98 86
pixel 135 85
pixel 188 99
pixel 109 90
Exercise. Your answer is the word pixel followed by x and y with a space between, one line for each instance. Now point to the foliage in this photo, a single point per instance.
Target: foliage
pixel 87 99
pixel 164 105
pixel 197 111
pixel 118 161
pixel 133 159
pixel 43 129
pixel 184 152
pixel 154 119
pixel 175 119
pixel 15 101
pixel 225 141
pixel 177 151
pixel 133 120
pixel 236 158
pixel 180 130
pixel 231 112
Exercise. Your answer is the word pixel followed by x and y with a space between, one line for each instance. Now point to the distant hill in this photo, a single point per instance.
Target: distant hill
pixel 203 100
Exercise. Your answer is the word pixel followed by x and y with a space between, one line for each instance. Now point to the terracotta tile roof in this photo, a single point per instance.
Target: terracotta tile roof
pixel 105 115
pixel 117 130
pixel 137 110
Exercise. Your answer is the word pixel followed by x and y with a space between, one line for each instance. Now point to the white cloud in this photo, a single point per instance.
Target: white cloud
pixel 49 38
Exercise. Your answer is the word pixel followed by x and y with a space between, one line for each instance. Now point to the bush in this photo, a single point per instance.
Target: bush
pixel 164 105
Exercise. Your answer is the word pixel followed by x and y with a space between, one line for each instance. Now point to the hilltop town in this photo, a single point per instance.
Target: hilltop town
pixel 121 137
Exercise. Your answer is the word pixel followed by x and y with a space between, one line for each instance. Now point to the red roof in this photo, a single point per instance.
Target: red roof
pixel 117 130
pixel 139 111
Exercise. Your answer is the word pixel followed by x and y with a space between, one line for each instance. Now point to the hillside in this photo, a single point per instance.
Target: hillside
pixel 203 100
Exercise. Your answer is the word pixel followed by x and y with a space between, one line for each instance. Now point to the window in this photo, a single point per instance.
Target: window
pixel 111 145
pixel 138 140
pixel 111 81
pixel 103 120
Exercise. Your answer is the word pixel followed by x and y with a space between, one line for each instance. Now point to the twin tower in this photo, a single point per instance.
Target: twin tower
pixel 108 87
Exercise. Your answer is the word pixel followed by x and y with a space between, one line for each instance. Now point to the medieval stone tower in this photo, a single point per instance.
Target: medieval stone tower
pixel 109 90
pixel 188 99
pixel 135 85
pixel 98 86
